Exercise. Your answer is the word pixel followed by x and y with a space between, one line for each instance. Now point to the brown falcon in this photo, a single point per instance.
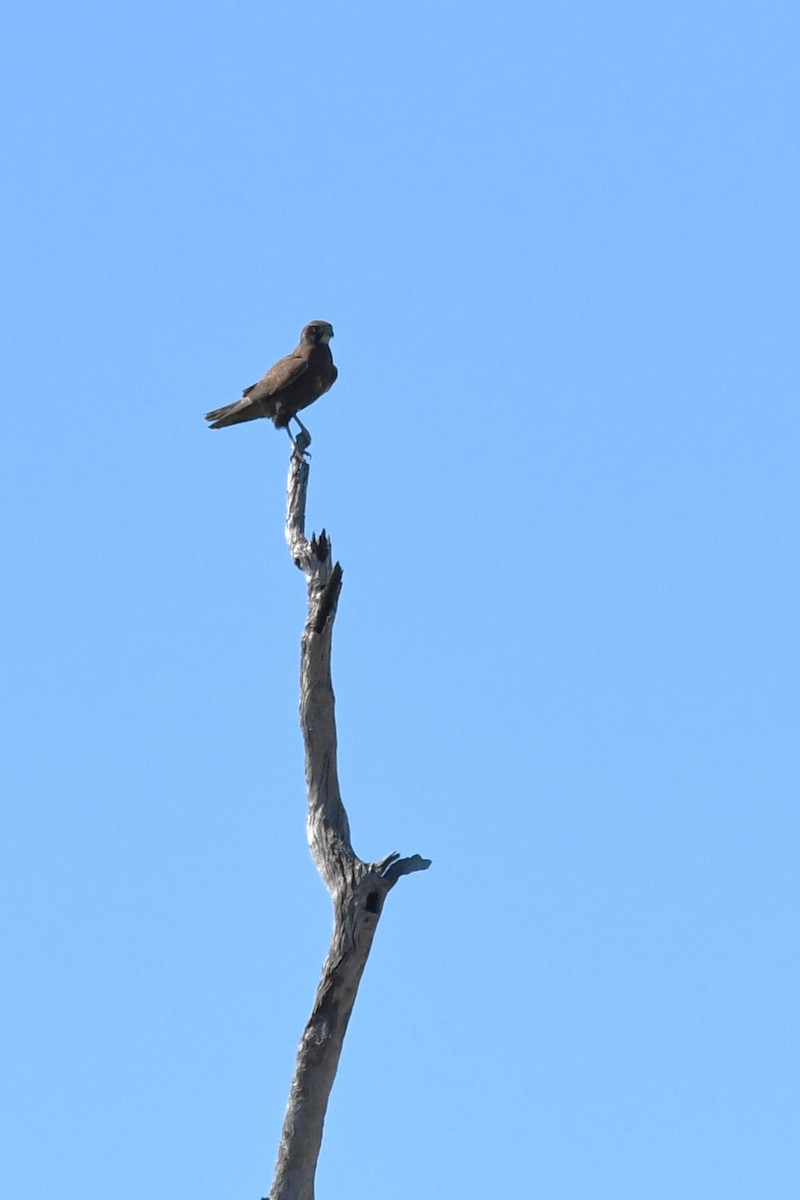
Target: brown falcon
pixel 293 383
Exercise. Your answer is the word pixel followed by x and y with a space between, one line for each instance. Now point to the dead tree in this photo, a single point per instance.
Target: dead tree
pixel 358 889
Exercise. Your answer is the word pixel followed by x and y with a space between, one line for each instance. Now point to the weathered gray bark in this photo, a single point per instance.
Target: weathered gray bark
pixel 358 889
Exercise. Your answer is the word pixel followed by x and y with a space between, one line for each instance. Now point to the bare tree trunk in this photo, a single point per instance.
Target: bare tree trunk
pixel 358 889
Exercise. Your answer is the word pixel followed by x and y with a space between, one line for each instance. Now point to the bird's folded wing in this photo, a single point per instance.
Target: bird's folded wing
pixel 284 373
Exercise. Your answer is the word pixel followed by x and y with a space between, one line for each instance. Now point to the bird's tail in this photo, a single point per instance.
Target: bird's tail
pixel 234 414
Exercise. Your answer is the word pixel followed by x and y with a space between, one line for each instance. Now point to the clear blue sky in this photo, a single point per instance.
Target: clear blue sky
pixel 558 244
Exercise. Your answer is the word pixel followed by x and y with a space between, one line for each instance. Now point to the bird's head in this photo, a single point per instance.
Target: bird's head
pixel 317 333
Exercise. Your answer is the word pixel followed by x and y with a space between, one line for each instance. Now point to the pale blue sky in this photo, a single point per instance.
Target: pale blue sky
pixel 558 245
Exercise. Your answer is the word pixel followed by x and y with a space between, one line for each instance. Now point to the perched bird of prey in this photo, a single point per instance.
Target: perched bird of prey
pixel 293 383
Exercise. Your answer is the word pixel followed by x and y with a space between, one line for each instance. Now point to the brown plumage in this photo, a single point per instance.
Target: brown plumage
pixel 293 383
